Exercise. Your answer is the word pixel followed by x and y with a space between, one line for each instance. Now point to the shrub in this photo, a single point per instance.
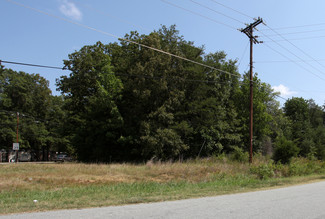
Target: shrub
pixel 263 171
pixel 285 150
pixel 303 166
pixel 239 155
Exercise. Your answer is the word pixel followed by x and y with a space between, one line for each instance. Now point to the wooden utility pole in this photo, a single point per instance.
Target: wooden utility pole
pixel 253 39
pixel 17 140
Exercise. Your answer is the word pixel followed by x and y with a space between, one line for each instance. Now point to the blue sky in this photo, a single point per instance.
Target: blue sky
pixel 31 37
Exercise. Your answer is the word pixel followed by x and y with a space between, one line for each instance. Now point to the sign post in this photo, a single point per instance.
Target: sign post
pixel 15 146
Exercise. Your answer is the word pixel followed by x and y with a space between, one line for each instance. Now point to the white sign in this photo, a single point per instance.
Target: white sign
pixel 15 146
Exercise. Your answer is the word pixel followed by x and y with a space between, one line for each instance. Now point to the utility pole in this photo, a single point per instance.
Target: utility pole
pixel 17 137
pixel 253 39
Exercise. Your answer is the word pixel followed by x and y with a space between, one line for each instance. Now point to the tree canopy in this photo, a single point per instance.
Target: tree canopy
pixel 124 102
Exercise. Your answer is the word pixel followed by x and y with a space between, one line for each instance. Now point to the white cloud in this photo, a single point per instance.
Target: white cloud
pixel 70 10
pixel 284 91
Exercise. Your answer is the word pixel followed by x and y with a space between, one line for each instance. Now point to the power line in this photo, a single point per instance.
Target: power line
pixel 301 66
pixel 271 40
pixel 232 9
pixel 293 27
pixel 32 65
pixel 279 61
pixel 293 55
pixel 277 34
pixel 242 57
pixel 198 14
pixel 295 46
pixel 302 38
pixel 280 97
pixel 21 115
pixel 121 74
pixel 111 16
pixel 123 39
pixel 204 6
pixel 299 32
pixel 130 41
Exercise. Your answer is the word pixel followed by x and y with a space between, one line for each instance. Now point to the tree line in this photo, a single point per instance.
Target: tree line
pixel 122 102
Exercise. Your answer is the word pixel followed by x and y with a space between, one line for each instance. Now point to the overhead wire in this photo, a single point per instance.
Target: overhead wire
pixel 299 32
pixel 272 41
pixel 232 9
pixel 293 27
pixel 120 38
pixel 290 60
pixel 281 97
pixel 225 16
pixel 198 14
pixel 204 6
pixel 242 57
pixel 277 61
pixel 277 34
pixel 302 51
pixel 293 55
pixel 218 12
pixel 122 74
pixel 119 74
pixel 32 65
pixel 22 115
pixel 112 16
pixel 295 39
pixel 130 41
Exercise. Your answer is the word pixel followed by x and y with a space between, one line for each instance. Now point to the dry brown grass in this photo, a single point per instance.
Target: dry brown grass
pixel 75 185
pixel 46 176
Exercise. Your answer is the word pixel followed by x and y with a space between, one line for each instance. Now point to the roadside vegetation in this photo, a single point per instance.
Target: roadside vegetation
pixel 75 185
pixel 183 126
pixel 124 103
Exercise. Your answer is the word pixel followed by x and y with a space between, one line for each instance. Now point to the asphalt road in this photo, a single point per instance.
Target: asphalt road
pixel 302 201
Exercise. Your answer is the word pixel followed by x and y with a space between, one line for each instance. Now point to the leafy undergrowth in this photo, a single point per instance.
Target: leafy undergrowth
pixel 72 185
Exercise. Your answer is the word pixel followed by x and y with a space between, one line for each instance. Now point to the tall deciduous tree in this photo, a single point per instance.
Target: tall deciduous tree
pixel 297 110
pixel 179 105
pixel 265 107
pixel 90 92
pixel 29 95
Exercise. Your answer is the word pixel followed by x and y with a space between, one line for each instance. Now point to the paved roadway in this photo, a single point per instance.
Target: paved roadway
pixel 302 201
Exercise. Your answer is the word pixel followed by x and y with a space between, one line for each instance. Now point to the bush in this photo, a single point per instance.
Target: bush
pixel 263 171
pixel 285 150
pixel 239 155
pixel 303 166
pixel 297 167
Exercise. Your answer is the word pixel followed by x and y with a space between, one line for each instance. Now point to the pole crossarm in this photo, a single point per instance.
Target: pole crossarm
pixel 249 30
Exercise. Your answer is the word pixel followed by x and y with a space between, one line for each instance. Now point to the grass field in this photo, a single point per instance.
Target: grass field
pixel 74 185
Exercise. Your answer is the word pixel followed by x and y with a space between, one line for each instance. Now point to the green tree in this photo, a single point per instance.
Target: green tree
pixel 315 114
pixel 90 94
pixel 56 124
pixel 297 110
pixel 174 99
pixel 212 110
pixel 29 95
pixel 265 111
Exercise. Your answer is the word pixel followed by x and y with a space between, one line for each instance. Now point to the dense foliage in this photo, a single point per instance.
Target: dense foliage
pixel 124 102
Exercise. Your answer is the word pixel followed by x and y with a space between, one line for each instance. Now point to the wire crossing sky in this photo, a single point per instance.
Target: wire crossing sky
pixel 291 59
